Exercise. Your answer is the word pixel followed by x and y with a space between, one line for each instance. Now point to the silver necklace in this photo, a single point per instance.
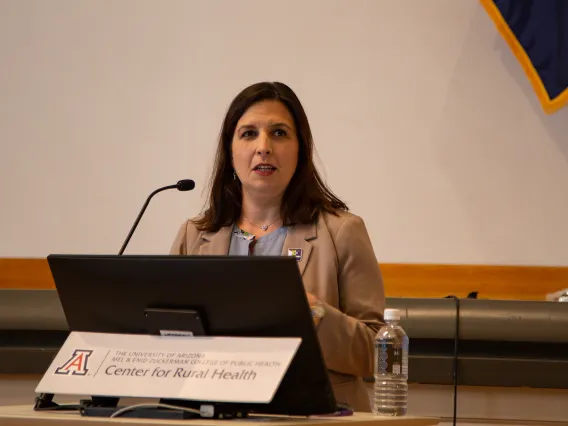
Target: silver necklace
pixel 263 227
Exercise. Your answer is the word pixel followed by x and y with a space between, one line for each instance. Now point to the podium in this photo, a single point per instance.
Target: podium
pixel 177 298
pixel 25 416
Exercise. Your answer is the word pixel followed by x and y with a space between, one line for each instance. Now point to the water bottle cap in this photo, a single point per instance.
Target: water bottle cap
pixel 392 315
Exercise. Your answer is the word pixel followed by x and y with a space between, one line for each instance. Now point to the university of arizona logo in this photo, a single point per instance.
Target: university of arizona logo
pixel 77 364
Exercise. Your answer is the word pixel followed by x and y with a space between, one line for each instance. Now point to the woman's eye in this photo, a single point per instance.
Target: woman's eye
pixel 280 132
pixel 248 134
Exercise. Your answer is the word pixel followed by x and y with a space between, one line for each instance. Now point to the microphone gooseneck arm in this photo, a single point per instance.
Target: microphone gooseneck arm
pixel 182 185
pixel 141 214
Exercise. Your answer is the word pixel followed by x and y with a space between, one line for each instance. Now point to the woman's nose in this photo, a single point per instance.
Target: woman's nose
pixel 264 145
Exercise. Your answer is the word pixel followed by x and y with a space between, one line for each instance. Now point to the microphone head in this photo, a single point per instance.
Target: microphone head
pixel 185 185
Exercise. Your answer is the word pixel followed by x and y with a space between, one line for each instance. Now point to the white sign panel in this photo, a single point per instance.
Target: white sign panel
pixel 223 369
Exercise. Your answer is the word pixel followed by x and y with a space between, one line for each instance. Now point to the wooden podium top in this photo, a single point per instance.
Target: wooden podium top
pixel 24 415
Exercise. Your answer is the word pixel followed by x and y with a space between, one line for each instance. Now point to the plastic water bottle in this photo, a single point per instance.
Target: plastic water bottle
pixel 390 396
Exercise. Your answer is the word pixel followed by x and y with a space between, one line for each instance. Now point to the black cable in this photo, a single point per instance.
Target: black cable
pixel 455 358
pixel 456 351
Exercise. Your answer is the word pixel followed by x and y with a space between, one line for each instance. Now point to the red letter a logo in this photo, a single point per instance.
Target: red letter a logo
pixel 77 364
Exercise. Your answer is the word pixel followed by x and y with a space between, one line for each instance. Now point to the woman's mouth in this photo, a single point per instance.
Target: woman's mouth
pixel 264 169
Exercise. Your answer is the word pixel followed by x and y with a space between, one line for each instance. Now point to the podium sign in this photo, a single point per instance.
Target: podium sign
pixel 222 369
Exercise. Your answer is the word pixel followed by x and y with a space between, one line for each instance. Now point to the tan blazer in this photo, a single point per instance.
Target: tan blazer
pixel 339 267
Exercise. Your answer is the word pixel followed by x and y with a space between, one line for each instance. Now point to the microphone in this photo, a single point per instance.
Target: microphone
pixel 182 185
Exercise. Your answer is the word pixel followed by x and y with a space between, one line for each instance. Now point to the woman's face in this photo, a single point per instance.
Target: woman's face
pixel 265 149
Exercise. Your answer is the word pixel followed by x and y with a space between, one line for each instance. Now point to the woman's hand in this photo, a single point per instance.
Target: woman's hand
pixel 316 307
pixel 312 300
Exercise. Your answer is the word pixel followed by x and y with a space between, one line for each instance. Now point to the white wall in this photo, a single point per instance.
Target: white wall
pixel 422 117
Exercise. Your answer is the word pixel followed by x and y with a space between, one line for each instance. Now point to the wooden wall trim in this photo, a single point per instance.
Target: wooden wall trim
pixel 24 273
pixel 401 280
pixel 491 282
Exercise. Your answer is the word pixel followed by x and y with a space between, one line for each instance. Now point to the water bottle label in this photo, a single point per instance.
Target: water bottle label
pixel 392 359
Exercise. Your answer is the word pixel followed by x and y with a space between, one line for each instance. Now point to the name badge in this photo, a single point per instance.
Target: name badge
pixel 296 252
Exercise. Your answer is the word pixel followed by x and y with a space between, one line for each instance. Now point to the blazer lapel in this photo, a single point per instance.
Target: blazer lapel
pixel 216 243
pixel 297 243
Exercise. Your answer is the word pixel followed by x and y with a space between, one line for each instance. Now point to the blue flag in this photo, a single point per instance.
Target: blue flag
pixel 537 33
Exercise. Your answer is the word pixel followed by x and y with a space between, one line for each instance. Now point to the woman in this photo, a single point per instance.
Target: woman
pixel 266 198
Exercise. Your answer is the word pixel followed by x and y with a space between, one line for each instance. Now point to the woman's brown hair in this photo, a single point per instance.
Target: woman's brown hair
pixel 306 195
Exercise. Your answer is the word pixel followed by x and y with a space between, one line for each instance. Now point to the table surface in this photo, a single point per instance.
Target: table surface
pixel 20 415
